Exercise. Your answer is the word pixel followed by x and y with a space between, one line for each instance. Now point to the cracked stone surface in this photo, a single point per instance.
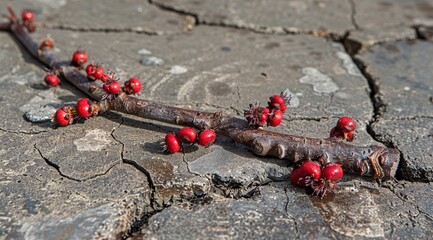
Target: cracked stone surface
pixel 217 75
pixel 385 21
pixel 280 211
pixel 263 16
pixel 112 16
pixel 404 78
pixel 38 203
pixel 107 178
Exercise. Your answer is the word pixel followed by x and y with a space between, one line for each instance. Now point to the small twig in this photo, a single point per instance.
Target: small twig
pixel 377 161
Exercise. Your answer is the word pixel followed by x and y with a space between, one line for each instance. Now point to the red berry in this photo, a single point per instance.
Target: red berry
pixel 52 80
pixel 332 172
pixel 84 107
pixel 112 87
pixel 187 135
pixel 79 58
pixel 296 177
pixel 172 143
pixel 275 118
pixel 99 72
pixel 278 99
pixel 105 78
pixel 308 170
pixel 90 69
pixel 28 16
pixel 283 108
pixel 346 124
pixel 133 85
pixel 206 137
pixel 263 118
pixel 62 117
pixel 336 132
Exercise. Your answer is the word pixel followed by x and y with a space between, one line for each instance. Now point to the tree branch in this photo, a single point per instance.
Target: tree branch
pixel 377 161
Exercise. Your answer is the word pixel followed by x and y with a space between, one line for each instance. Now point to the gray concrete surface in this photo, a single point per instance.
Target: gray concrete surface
pixel 106 178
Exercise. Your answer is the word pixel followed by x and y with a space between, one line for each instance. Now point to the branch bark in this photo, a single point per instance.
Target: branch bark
pixel 376 161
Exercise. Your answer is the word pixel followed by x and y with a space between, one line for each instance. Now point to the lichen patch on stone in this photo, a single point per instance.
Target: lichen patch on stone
pixel 94 140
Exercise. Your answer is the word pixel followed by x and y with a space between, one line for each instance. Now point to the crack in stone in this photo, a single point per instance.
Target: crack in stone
pixel 73 28
pixel 379 107
pixel 286 207
pixel 57 167
pixel 137 225
pixel 22 132
pixel 427 215
pixel 301 118
pixel 187 165
pixel 251 27
pixel 409 118
pixel 172 9
pixel 353 14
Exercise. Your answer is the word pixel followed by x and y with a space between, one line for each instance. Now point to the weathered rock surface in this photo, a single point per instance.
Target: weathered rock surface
pixel 259 15
pixel 39 203
pixel 110 16
pixel 402 72
pixel 280 211
pixel 105 177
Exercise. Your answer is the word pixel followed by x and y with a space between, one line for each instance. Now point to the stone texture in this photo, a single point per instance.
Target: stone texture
pixel 271 214
pixel 38 203
pixel 388 14
pixel 402 71
pixel 60 183
pixel 116 16
pixel 226 69
pixel 385 21
pixel 266 16
pixel 280 211
pixel 107 176
pixel 414 139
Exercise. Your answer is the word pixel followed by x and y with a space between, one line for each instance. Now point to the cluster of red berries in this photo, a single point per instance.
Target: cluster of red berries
pixel 344 129
pixel 28 20
pixel 272 115
pixel 83 109
pixel 320 178
pixel 187 135
pixel 111 84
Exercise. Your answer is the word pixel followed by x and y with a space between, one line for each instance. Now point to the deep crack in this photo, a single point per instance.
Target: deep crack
pixel 55 166
pixel 137 225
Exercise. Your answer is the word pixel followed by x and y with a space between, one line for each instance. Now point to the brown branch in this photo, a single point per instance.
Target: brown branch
pixel 377 161
pixel 5 26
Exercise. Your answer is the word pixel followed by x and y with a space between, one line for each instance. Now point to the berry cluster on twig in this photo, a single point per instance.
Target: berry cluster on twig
pixel 319 176
pixel 272 115
pixel 189 136
pixel 86 108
